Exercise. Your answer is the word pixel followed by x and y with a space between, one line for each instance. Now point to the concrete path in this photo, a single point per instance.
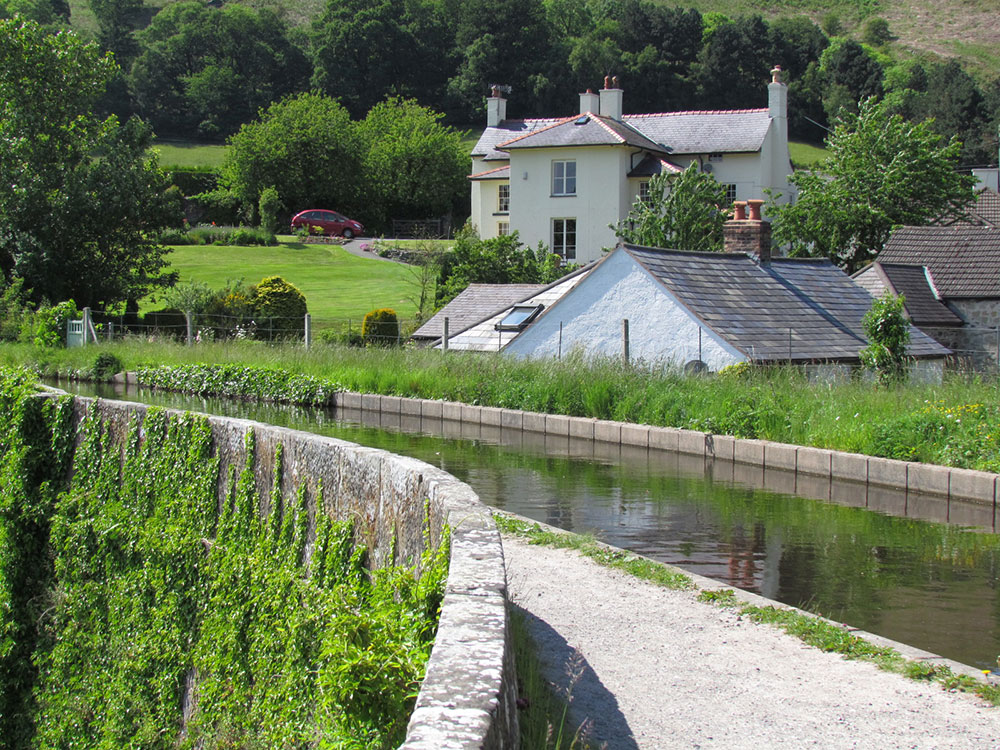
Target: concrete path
pixel 658 669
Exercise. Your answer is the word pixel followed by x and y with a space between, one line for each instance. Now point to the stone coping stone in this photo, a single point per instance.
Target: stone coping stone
pixel 975 486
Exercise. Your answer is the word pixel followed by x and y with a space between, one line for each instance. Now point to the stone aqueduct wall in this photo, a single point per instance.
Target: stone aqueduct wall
pixel 467 699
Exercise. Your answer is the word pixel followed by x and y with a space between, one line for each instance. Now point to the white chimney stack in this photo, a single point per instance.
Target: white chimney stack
pixel 590 102
pixel 496 108
pixel 611 99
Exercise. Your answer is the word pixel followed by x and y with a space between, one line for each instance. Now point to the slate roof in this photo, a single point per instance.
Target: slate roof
pixel 964 260
pixel 582 130
pixel 706 132
pixel 987 207
pixel 498 173
pixel 691 132
pixel 651 165
pixel 482 336
pixel 757 309
pixel 471 305
pixel 915 283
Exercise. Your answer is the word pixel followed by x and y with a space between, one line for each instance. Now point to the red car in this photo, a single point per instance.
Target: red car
pixel 320 221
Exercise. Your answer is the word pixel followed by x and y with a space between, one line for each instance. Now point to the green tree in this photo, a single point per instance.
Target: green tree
pixel 499 260
pixel 306 148
pixel 882 171
pixel 205 71
pixel 684 212
pixel 83 201
pixel 888 335
pixel 414 167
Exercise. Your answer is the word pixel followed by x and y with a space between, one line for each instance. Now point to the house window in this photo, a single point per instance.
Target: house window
pixel 714 157
pixel 730 192
pixel 564 178
pixel 503 198
pixel 519 317
pixel 564 238
pixel 644 192
pixel 503 228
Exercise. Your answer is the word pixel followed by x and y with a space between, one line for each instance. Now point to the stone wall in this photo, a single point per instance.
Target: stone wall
pixel 467 699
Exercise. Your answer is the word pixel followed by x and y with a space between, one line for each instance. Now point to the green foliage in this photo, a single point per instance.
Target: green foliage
pixel 135 594
pixel 279 307
pixel 85 201
pixel 380 328
pixel 50 324
pixel 268 207
pixel 901 169
pixel 14 310
pixel 105 366
pixel 685 211
pixel 218 206
pixel 305 147
pixel 205 71
pixel 876 32
pixel 235 381
pixel 498 260
pixel 888 333
pixel 414 167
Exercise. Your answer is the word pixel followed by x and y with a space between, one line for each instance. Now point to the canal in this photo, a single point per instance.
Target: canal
pixel 927 584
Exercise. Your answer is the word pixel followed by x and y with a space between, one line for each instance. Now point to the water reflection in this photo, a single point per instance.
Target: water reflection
pixel 932 585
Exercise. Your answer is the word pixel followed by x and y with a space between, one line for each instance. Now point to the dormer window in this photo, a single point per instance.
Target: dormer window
pixel 519 318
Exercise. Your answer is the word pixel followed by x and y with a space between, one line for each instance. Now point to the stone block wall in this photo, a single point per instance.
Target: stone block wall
pixel 467 699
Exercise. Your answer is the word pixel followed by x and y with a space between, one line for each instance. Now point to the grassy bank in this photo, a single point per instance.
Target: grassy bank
pixel 953 424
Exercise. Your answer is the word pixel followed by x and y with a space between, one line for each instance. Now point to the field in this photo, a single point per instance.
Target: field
pixel 190 154
pixel 339 287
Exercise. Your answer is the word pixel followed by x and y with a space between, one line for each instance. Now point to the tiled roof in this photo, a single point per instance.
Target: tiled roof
pixel 922 306
pixel 471 305
pixel 964 260
pixel 491 137
pixel 987 207
pixel 582 130
pixel 482 336
pixel 499 173
pixel 651 165
pixel 803 310
pixel 704 132
pixel 715 131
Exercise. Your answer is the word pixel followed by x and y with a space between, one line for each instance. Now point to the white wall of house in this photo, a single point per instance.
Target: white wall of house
pixel 602 196
pixel 660 329
pixel 486 216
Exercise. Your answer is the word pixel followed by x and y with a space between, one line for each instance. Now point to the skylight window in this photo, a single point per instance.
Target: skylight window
pixel 582 120
pixel 518 318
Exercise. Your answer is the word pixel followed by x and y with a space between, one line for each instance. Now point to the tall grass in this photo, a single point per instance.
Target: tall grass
pixel 955 423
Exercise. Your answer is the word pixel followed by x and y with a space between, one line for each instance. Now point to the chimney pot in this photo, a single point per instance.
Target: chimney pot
pixel 776 74
pixel 740 211
pixel 607 82
pixel 755 209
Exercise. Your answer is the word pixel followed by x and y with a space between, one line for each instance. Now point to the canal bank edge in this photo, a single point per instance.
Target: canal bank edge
pixel 468 695
pixel 928 479
pixel 702 584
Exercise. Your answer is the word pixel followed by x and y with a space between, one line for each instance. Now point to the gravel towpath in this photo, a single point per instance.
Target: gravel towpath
pixel 662 670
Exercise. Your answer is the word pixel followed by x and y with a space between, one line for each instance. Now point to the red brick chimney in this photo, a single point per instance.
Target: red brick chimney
pixel 748 236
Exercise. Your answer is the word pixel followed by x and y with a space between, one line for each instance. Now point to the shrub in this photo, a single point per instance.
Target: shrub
pixel 250 236
pixel 380 328
pixel 13 309
pixel 218 206
pixel 888 334
pixel 105 366
pixel 269 205
pixel 279 307
pixel 50 324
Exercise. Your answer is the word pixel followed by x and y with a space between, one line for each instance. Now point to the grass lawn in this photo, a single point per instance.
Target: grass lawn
pixel 188 154
pixel 338 286
pixel 805 154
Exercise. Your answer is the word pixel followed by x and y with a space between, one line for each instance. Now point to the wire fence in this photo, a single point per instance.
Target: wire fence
pixel 975 348
pixel 196 328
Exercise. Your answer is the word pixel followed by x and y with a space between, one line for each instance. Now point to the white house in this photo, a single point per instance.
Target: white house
pixel 566 181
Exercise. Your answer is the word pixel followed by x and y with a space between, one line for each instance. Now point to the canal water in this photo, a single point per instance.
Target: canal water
pixel 930 585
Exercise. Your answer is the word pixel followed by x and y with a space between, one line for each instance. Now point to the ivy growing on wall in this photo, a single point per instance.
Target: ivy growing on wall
pixel 173 618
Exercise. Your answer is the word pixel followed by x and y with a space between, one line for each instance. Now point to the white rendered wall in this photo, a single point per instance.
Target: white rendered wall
pixel 660 329
pixel 602 196
pixel 484 216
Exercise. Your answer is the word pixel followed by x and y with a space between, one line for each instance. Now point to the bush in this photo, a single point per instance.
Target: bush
pixel 380 328
pixel 216 206
pixel 249 236
pixel 279 308
pixel 105 366
pixel 888 334
pixel 13 309
pixel 269 205
pixel 49 325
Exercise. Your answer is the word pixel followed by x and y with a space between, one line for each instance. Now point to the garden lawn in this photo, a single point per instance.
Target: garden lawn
pixel 338 286
pixel 190 154
pixel 805 154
